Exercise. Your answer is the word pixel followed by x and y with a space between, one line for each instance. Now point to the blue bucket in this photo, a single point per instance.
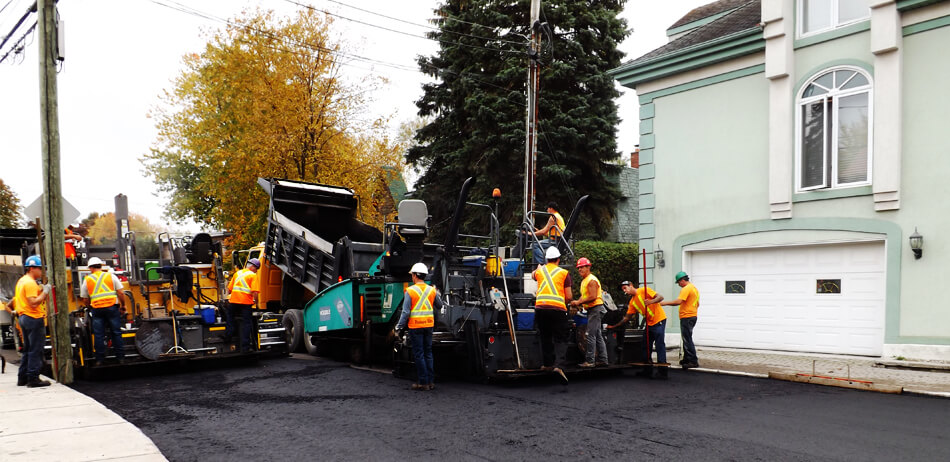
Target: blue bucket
pixel 206 312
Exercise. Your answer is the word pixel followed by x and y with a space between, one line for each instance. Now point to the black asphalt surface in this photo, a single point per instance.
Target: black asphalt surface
pixel 292 409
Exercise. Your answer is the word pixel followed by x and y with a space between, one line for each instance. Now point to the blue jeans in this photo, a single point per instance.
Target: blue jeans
pixel 34 339
pixel 538 249
pixel 101 316
pixel 237 310
pixel 657 342
pixel 422 352
pixel 689 349
pixel 596 347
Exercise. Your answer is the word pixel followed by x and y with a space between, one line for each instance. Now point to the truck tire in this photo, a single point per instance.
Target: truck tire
pixel 310 345
pixel 293 325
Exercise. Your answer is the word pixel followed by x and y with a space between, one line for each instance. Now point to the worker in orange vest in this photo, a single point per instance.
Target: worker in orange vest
pixel 550 311
pixel 552 231
pixel 103 291
pixel 419 305
pixel 645 302
pixel 29 301
pixel 688 302
pixel 243 288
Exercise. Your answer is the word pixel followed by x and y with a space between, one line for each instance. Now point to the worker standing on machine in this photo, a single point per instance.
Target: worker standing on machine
pixel 688 301
pixel 646 302
pixel 592 299
pixel 30 304
pixel 418 313
pixel 103 291
pixel 550 311
pixel 244 289
pixel 552 231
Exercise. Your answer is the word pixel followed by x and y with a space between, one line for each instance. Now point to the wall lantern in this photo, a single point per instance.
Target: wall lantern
pixel 917 244
pixel 658 256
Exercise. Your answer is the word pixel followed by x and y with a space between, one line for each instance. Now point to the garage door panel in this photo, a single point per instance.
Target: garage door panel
pixel 781 308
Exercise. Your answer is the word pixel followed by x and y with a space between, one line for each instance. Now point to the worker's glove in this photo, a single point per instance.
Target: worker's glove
pixel 47 288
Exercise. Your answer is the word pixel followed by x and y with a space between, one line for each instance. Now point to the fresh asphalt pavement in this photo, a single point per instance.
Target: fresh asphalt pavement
pixel 301 408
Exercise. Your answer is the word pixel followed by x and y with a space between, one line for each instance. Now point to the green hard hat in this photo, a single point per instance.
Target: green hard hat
pixel 680 275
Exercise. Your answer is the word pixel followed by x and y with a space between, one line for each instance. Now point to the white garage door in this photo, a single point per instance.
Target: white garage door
pixel 815 298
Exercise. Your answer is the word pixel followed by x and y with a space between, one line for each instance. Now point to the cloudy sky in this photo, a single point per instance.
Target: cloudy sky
pixel 121 54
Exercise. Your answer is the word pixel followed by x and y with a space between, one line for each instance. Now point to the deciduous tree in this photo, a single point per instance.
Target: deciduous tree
pixel 9 207
pixel 265 98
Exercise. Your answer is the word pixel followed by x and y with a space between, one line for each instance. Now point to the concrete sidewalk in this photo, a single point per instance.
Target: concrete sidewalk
pixel 931 377
pixel 61 424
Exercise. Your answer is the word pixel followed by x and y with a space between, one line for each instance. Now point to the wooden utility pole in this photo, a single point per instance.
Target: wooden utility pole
pixel 57 309
pixel 531 124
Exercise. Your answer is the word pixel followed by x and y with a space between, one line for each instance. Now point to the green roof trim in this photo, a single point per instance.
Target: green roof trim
pixel 926 25
pixel 904 5
pixel 648 98
pixel 700 22
pixel 714 51
pixel 834 34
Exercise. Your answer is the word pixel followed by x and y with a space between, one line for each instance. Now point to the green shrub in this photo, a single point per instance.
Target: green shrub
pixel 611 262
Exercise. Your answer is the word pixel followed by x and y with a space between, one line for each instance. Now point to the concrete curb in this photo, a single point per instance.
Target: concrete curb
pixel 913 365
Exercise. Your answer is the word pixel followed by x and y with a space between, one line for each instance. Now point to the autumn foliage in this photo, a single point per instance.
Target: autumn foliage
pixel 266 98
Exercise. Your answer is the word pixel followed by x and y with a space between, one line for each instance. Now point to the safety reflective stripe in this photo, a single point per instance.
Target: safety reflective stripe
pixel 240 282
pixel 422 306
pixel 101 290
pixel 548 291
pixel 555 231
pixel 643 304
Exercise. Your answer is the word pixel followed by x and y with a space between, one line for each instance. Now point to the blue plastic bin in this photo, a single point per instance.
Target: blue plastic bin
pixel 524 320
pixel 207 314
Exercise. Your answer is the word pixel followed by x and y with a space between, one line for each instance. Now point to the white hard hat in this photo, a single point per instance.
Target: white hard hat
pixel 95 261
pixel 552 253
pixel 419 268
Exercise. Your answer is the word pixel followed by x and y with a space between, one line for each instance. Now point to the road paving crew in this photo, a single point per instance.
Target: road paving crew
pixel 592 299
pixel 418 313
pixel 646 302
pixel 103 291
pixel 244 288
pixel 688 301
pixel 30 303
pixel 550 311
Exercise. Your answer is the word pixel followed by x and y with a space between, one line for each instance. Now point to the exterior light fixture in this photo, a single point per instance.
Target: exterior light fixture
pixel 658 256
pixel 917 244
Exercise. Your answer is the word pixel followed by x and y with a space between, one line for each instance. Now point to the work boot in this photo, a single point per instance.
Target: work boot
pixel 585 365
pixel 37 382
pixel 419 387
pixel 21 381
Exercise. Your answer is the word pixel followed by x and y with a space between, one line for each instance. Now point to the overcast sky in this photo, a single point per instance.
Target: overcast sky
pixel 121 54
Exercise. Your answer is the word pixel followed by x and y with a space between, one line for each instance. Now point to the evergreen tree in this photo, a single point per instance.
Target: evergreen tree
pixel 477 109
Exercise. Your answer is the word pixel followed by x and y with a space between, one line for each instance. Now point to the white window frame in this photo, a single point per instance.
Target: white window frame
pixel 834 19
pixel 801 101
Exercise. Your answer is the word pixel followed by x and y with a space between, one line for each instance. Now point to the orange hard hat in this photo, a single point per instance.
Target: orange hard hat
pixel 583 261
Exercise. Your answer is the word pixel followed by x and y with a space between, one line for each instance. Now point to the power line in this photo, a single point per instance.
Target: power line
pixel 408 34
pixel 429 26
pixel 29 10
pixel 17 49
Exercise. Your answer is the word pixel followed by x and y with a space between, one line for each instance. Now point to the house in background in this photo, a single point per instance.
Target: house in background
pixel 789 151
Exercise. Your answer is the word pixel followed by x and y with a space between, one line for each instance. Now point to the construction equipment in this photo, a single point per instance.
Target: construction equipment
pixel 343 284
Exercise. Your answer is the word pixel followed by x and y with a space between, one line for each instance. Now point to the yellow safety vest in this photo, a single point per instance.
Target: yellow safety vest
pixel 556 231
pixel 600 291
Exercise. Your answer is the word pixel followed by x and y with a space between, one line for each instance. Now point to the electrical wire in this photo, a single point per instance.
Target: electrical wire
pixel 16 49
pixel 408 34
pixel 429 26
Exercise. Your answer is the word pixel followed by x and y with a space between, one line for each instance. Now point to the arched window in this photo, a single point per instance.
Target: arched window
pixel 834 130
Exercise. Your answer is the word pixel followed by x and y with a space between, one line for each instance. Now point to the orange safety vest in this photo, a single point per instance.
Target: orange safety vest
pixel 240 287
pixel 555 231
pixel 600 291
pixel 653 312
pixel 551 286
pixel 422 299
pixel 101 290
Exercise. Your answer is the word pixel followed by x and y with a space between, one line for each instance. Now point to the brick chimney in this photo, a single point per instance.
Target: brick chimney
pixel 635 157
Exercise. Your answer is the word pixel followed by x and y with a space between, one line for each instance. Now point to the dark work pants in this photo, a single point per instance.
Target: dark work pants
pixel 34 339
pixel 101 316
pixel 422 353
pixel 239 310
pixel 554 330
pixel 689 349
pixel 657 342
